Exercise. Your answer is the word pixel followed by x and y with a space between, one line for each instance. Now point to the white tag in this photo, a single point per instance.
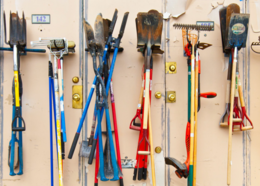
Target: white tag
pixel 93 86
pixel 139 105
pixel 61 106
pixel 192 135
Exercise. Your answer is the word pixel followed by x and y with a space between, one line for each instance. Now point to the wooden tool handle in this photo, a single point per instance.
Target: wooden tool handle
pixel 241 94
pixel 140 102
pixel 232 94
pixel 151 146
pixel 147 102
pixel 247 128
pixel 143 152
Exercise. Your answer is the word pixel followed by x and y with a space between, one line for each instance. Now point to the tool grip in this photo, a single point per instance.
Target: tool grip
pixel 92 152
pixel 25 49
pixel 121 182
pixel 73 146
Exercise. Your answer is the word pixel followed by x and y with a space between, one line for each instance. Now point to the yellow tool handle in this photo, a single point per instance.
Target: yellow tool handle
pixel 147 98
pixel 139 106
pixel 151 146
pixel 16 89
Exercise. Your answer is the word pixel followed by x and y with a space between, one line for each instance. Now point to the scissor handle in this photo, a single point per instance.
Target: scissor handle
pixel 18 128
pixel 255 44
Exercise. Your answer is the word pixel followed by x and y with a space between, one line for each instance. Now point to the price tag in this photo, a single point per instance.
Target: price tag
pixel 41 19
pixel 206 23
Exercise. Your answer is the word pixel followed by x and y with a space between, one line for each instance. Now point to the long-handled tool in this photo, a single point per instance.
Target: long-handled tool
pixel 17 42
pixel 237 35
pixel 186 169
pixel 108 41
pixel 149 29
pixel 116 45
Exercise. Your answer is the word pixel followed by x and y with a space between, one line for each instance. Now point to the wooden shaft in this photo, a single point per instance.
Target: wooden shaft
pixel 247 128
pixel 147 102
pixel 232 93
pixel 151 146
pixel 196 118
pixel 242 103
pixel 139 106
pixel 192 118
pixel 144 152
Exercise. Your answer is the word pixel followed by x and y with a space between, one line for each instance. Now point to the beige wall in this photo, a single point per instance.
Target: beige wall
pixel 169 120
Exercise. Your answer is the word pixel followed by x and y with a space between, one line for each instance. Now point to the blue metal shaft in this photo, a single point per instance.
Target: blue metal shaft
pixel 51 140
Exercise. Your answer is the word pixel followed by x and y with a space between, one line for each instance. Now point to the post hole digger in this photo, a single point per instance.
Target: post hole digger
pixel 17 42
pixel 58 48
pixel 235 39
pixel 149 29
pixel 191 46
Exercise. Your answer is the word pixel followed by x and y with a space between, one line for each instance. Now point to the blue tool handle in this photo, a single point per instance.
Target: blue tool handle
pixel 54 111
pixel 20 148
pixel 63 126
pixel 25 49
pixel 100 146
pixel 72 149
pixel 51 139
pixel 108 82
pixel 12 149
pixel 112 147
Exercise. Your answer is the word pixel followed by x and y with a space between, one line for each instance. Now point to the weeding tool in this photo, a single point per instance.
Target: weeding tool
pixel 109 40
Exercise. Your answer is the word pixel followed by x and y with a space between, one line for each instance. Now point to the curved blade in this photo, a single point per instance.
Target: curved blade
pixel 106 24
pixel 99 33
pixel 89 33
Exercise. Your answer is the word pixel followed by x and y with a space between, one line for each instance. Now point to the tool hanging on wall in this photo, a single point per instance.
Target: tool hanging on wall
pixel 149 30
pixel 234 39
pixel 17 43
pixel 58 48
pixel 191 45
pixel 96 48
pixel 255 44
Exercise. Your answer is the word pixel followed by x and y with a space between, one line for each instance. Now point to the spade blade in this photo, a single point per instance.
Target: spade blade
pixel 99 33
pixel 88 33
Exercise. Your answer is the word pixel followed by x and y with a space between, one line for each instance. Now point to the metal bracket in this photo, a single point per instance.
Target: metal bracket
pixel 77 98
pixel 170 97
pixel 171 68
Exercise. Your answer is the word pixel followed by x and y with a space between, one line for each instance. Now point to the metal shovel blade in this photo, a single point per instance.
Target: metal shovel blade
pixel 222 18
pixel 149 28
pixel 99 33
pixel 17 30
pixel 89 33
pixel 106 24
pixel 85 150
pixel 238 29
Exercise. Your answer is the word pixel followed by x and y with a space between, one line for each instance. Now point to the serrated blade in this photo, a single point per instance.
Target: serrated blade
pixel 99 33
pixel 89 33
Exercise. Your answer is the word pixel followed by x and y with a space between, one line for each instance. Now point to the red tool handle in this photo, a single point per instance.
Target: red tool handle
pixel 208 95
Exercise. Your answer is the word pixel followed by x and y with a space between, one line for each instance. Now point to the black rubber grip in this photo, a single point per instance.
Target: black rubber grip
pixel 73 146
pixel 92 152
pixel 140 173
pixel 144 173
pixel 19 129
pixel 96 184
pixel 121 182
pixel 62 147
pixel 134 176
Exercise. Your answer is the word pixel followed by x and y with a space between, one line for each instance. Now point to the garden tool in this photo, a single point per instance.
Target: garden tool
pixel 237 35
pixel 186 169
pixel 88 33
pixel 116 45
pixel 17 43
pixel 149 29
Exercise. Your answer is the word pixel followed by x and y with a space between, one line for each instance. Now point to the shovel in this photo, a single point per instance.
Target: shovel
pixel 237 35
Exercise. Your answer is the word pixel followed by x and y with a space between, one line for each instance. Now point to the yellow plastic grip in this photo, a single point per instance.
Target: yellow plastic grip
pixel 16 89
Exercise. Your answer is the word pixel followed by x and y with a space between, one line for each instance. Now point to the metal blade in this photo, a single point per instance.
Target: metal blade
pixel 89 33
pixel 106 24
pixel 99 33
pixel 122 29
pixel 203 46
pixel 113 22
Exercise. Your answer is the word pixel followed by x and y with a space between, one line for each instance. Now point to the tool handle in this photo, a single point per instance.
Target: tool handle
pixel 121 182
pixel 208 95
pixel 73 146
pixel 92 152
pixel 25 49
pixel 14 128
